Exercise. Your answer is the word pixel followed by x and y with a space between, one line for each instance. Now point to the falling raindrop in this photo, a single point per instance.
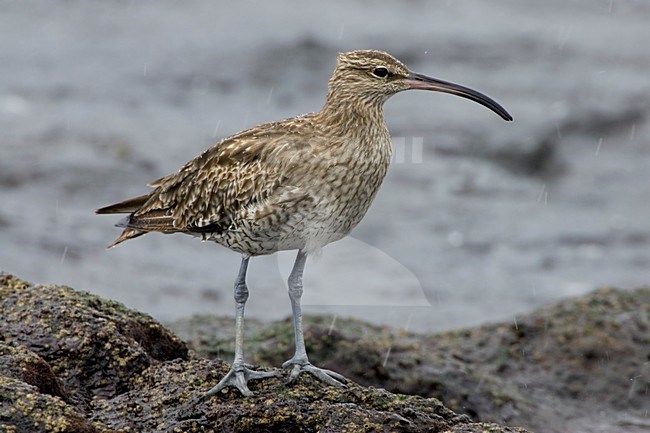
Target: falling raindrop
pixel 386 357
pixel 630 393
pixel 329 332
pixel 65 253
pixel 341 31
pixel 216 128
pixel 268 98
pixel 408 322
pixel 600 143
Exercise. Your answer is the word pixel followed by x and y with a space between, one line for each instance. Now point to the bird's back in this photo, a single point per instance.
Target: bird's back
pixel 293 184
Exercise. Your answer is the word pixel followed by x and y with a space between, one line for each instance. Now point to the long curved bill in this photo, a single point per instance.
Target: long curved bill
pixel 419 81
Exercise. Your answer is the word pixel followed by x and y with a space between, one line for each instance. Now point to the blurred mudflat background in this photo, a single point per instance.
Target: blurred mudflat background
pixel 477 221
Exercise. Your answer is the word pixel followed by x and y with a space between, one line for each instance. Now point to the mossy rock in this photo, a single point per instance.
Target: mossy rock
pixel 73 362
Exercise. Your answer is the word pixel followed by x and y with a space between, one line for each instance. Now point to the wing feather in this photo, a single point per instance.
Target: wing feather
pixel 239 173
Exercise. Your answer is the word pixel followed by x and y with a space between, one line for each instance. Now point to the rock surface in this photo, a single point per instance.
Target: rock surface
pixel 73 362
pixel 581 365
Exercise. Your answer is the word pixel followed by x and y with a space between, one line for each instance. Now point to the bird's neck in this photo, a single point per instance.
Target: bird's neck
pixel 353 115
pixel 358 133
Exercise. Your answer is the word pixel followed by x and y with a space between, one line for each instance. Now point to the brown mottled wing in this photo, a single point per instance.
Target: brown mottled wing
pixel 210 191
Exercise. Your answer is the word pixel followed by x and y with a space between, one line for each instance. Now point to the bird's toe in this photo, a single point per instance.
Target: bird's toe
pixel 238 376
pixel 328 376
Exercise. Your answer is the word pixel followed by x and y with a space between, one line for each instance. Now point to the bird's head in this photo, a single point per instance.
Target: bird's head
pixel 371 77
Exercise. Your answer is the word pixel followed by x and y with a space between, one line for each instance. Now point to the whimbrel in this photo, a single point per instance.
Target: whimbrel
pixel 296 184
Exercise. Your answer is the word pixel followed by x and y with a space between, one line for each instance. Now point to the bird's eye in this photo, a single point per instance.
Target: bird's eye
pixel 380 72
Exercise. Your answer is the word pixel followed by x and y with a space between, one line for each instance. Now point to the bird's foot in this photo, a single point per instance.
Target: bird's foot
pixel 238 376
pixel 301 365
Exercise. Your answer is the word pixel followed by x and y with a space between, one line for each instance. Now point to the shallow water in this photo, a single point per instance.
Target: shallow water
pixel 492 220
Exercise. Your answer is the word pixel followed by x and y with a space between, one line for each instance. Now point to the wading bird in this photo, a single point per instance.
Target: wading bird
pixel 296 184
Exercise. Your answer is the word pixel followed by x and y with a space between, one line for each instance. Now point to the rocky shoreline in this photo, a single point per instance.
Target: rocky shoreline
pixel 581 365
pixel 74 362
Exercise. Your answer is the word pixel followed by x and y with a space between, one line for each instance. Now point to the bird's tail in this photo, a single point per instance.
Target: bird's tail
pixel 127 206
pixel 127 233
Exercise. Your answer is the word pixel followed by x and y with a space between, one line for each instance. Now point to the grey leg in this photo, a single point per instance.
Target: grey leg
pixel 300 361
pixel 239 374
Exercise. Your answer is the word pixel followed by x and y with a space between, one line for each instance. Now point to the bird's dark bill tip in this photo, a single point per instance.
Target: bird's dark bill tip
pixel 419 81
